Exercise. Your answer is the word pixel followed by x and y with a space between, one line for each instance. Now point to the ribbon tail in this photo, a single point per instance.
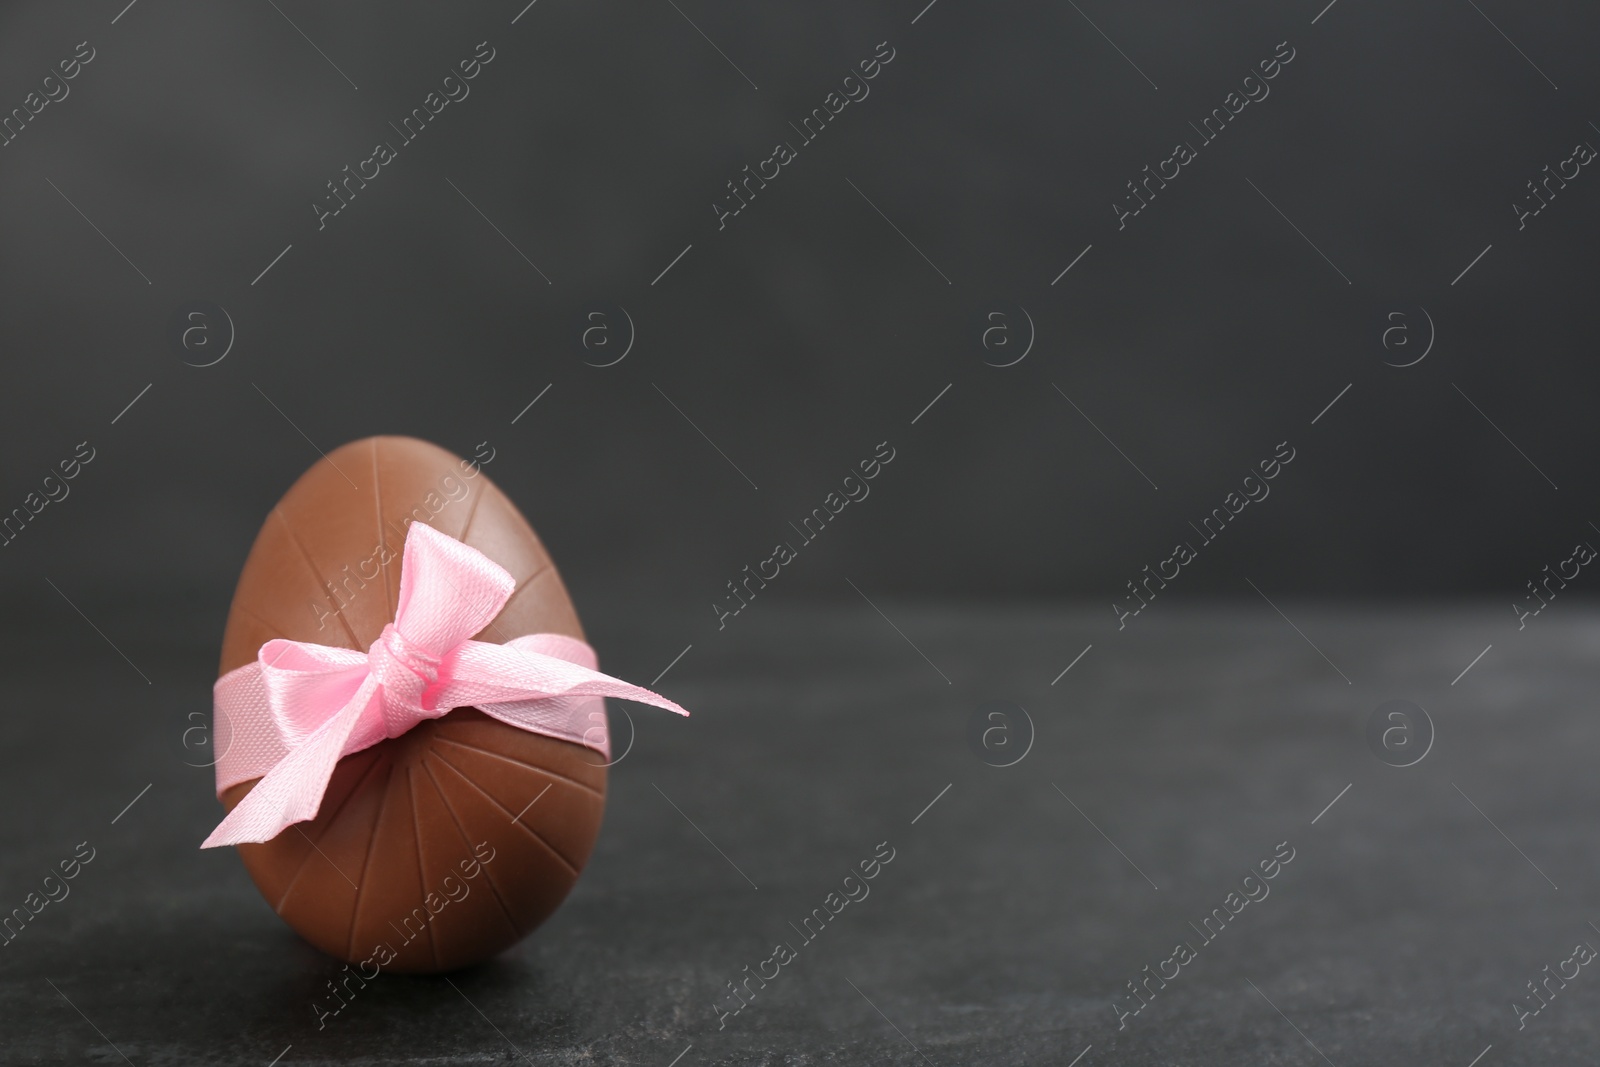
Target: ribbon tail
pixel 292 791
pixel 482 674
pixel 532 684
pixel 579 719
pixel 601 685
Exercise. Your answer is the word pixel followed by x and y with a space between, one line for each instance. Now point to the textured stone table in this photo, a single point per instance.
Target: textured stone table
pixel 1169 760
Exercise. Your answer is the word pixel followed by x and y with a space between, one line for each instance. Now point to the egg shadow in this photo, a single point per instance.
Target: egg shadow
pixel 328 1012
pixel 234 985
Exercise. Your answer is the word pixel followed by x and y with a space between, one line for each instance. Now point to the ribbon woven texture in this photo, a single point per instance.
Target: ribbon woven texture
pixel 300 707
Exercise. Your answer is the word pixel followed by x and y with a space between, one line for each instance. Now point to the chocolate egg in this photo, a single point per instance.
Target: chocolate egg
pixel 441 847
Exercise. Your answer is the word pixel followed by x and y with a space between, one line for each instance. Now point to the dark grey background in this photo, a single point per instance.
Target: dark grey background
pixel 808 330
pixel 815 326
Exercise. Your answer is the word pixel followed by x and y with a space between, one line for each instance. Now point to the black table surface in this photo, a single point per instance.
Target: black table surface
pixel 1172 758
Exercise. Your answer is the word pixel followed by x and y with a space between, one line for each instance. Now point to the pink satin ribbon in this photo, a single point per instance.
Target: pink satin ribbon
pixel 300 707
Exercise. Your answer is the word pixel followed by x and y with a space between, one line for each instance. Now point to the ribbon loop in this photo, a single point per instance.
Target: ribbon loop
pixel 300 707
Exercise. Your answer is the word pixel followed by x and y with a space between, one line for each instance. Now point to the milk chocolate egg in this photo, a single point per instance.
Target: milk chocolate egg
pixel 446 845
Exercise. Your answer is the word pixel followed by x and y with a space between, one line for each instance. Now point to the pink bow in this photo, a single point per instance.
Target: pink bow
pixel 300 707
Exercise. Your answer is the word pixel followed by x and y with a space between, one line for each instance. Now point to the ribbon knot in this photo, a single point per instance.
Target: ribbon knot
pixel 409 675
pixel 300 706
